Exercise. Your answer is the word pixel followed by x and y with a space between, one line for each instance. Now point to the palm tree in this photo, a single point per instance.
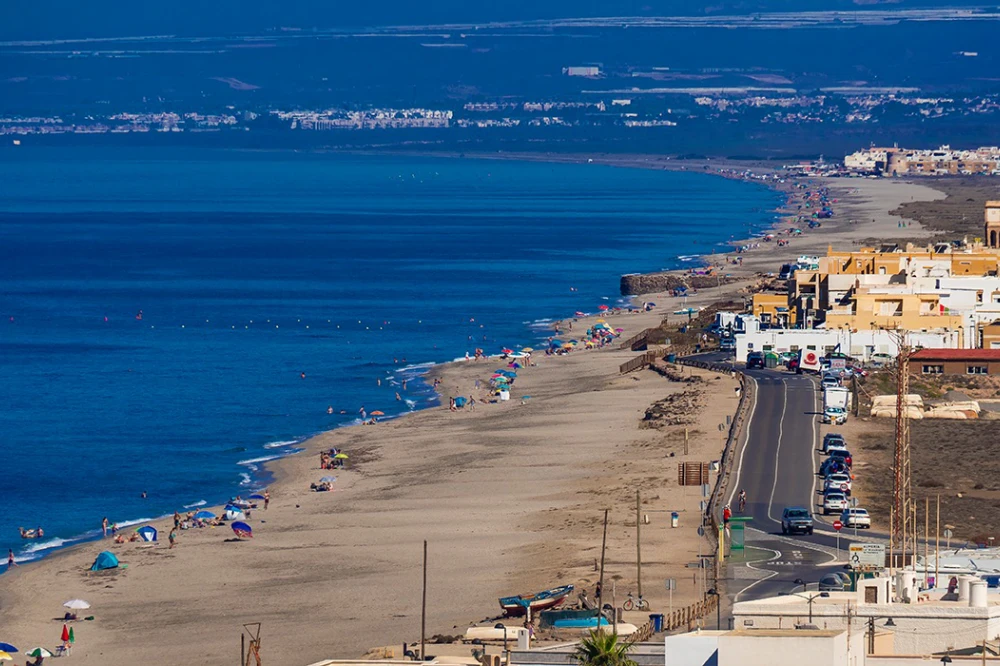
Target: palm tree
pixel 602 648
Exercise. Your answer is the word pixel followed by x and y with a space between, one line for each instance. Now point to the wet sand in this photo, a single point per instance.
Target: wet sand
pixel 510 499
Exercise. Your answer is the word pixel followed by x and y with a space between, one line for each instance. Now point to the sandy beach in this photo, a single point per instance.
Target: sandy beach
pixel 510 498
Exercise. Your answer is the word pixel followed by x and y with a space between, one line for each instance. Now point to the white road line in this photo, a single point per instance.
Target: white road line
pixel 777 554
pixel 746 441
pixel 777 451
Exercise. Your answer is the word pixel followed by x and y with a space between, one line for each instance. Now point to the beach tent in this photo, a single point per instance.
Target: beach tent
pixel 234 513
pixel 205 515
pixel 105 560
pixel 148 533
pixel 460 401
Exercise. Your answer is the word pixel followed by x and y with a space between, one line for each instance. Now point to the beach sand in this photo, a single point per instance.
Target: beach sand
pixel 510 499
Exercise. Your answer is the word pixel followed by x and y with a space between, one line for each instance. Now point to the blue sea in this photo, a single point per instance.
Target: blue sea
pixel 273 286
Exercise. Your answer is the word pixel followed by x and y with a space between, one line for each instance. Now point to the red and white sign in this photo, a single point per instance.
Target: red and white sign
pixel 837 525
pixel 809 360
pixel 843 487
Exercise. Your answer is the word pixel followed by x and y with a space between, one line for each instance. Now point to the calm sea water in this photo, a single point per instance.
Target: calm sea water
pixel 251 269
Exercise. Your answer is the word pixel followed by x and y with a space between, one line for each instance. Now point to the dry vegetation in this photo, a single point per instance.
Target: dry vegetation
pixel 956 459
pixel 961 213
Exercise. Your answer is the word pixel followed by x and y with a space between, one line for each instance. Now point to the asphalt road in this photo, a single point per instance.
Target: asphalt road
pixel 776 465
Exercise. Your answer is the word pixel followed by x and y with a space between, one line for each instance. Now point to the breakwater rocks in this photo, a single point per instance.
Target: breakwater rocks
pixel 635 284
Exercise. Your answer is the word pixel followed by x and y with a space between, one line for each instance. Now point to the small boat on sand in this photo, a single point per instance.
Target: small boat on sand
pixel 539 601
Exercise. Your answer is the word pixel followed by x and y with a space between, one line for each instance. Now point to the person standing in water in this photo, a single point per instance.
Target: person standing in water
pixel 104 526
pixel 10 559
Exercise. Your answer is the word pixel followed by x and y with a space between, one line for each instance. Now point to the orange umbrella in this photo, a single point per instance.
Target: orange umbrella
pixel 377 413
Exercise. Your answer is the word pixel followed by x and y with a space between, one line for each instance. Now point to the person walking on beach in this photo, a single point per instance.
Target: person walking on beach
pixel 177 520
pixel 104 526
pixel 472 404
pixel 267 499
pixel 10 559
pixel 172 537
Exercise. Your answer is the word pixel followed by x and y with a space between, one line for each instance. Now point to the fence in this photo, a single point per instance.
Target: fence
pixel 637 342
pixel 643 360
pixel 685 617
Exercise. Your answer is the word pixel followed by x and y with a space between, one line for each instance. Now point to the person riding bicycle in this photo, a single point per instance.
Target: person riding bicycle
pixel 743 499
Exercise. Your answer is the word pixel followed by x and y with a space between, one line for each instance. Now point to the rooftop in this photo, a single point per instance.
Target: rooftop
pixel 956 355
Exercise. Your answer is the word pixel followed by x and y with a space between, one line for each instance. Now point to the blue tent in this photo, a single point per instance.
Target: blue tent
pixel 460 401
pixel 148 533
pixel 256 496
pixel 105 560
pixel 204 515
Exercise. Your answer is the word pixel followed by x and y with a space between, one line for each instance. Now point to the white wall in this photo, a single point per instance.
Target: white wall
pixel 745 649
pixel 861 344
pixel 696 649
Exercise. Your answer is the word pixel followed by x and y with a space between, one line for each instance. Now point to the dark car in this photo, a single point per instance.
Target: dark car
pixel 831 438
pixel 796 519
pixel 755 360
pixel 832 583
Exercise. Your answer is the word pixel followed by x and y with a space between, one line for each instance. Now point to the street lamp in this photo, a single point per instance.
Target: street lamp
pixel 718 608
pixel 809 599
pixel 871 631
pixel 501 625
pixel 946 659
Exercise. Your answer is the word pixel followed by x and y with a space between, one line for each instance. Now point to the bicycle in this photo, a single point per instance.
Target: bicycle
pixel 743 504
pixel 632 604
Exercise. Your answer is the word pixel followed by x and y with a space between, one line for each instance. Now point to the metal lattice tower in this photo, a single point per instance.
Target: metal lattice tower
pixel 900 517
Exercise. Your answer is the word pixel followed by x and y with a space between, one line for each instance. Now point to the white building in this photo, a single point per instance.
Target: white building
pixel 928 622
pixel 861 345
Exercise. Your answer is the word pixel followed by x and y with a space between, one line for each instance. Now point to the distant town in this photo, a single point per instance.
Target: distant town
pixel 669 108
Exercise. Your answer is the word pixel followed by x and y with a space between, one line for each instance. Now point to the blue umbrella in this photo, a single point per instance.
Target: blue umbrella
pixel 328 479
pixel 233 507
pixel 7 647
pixel 555 343
pixel 204 515
pixel 256 496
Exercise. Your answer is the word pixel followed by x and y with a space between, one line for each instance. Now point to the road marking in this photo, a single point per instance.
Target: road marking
pixel 777 452
pixel 746 441
pixel 815 443
pixel 777 554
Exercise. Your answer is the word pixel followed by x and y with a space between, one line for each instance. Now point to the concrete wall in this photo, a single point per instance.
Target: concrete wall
pixel 920 629
pixel 861 344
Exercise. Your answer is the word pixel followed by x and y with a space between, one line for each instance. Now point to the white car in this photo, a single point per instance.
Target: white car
pixel 835 447
pixel 856 518
pixel 829 381
pixel 841 482
pixel 834 502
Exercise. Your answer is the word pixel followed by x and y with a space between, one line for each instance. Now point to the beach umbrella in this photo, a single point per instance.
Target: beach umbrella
pixel 341 456
pixel 527 350
pixel 205 515
pixel 65 634
pixel 242 530
pixel 505 350
pixel 72 636
pixel 7 647
pixel 515 365
pixel 256 496
pixel 619 330
pixel 603 308
pixel 555 343
pixel 580 314
pixel 328 479
pixel 4 656
pixel 74 604
pixel 377 413
pixel 39 652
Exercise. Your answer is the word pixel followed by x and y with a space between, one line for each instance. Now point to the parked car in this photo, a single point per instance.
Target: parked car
pixel 755 360
pixel 881 359
pixel 833 439
pixel 829 381
pixel 831 583
pixel 834 502
pixel 727 343
pixel 859 517
pixel 793 364
pixel 833 466
pixel 838 481
pixel 796 519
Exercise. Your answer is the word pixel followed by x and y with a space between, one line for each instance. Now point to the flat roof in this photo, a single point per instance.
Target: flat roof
pixel 956 355
pixel 786 633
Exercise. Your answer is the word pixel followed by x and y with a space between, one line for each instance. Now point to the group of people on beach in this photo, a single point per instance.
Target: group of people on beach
pixel 329 460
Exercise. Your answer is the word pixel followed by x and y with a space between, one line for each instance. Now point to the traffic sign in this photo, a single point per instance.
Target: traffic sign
pixel 867 555
pixel 837 525
pixel 671 584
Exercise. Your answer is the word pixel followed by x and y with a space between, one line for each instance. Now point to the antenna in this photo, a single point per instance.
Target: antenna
pixel 899 515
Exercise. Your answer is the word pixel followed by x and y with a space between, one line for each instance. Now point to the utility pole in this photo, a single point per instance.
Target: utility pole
pixel 937 543
pixel 900 509
pixel 600 584
pixel 927 536
pixel 423 609
pixel 638 548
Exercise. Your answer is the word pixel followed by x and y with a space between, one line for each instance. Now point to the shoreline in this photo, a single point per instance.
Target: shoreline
pixel 289 471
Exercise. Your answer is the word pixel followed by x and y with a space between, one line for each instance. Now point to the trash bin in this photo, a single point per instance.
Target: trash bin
pixel 674 518
pixel 671 358
pixel 657 620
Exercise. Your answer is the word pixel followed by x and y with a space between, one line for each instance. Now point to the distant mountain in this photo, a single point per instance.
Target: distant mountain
pixel 73 19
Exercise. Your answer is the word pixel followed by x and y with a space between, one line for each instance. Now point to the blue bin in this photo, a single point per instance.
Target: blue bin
pixel 657 620
pixel 671 358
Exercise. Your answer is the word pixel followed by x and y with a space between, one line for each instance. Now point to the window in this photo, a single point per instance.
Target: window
pixel 977 370
pixel 933 370
pixel 765 318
